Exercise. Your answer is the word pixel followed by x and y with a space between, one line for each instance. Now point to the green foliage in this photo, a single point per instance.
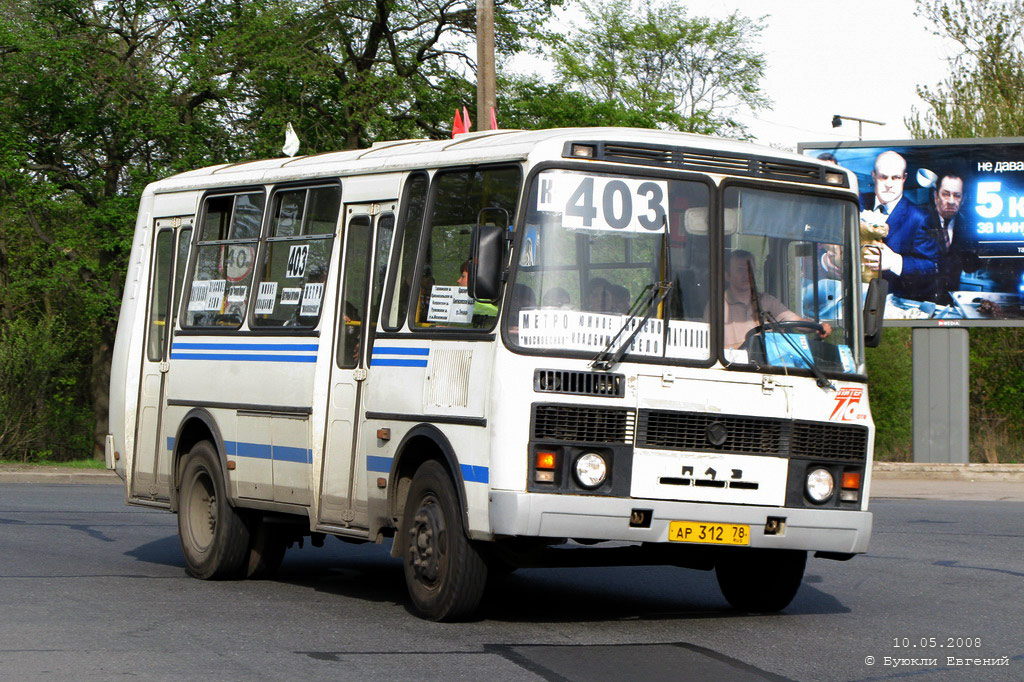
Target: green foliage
pixel 981 95
pixel 684 73
pixel 890 388
pixel 997 394
pixel 41 401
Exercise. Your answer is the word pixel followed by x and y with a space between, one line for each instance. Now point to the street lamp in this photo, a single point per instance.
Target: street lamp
pixel 837 121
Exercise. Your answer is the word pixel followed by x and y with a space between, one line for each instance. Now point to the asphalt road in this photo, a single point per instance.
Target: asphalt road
pixel 91 589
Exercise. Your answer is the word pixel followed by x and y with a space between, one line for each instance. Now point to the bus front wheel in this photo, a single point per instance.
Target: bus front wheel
pixel 444 573
pixel 214 536
pixel 760 580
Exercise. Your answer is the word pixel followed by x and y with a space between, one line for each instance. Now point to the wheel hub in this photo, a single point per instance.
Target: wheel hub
pixel 427 542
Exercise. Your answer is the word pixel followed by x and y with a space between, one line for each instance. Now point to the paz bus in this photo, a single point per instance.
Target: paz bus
pixel 506 349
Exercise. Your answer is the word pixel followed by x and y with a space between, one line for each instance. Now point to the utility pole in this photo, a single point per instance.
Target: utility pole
pixel 485 76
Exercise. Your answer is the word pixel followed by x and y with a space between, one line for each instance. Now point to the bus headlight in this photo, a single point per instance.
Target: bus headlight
pixel 591 470
pixel 820 485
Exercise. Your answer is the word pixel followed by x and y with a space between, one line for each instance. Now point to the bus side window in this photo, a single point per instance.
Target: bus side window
pixel 225 259
pixel 292 281
pixel 404 259
pixel 458 198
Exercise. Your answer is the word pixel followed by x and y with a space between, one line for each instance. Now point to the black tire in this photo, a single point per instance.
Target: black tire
pixel 266 549
pixel 760 580
pixel 214 537
pixel 444 573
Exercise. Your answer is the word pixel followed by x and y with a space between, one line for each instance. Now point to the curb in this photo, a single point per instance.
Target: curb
pixel 35 474
pixel 932 471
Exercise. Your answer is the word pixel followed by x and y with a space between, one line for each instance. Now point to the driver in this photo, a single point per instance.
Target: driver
pixel 740 315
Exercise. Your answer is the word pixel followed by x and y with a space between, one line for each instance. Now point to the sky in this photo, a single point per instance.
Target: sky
pixel 862 58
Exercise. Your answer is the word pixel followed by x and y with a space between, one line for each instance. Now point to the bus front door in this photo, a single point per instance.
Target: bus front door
pixel 368 234
pixel 150 479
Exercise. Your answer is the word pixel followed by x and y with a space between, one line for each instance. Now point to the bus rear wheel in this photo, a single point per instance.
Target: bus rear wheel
pixel 760 580
pixel 444 572
pixel 214 536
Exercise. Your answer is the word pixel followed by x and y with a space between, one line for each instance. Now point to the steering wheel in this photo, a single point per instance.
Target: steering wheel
pixel 788 327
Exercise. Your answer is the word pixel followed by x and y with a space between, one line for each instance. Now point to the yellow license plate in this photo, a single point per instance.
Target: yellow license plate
pixel 709 533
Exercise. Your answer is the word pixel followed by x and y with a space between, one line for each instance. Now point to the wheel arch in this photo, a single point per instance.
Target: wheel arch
pixel 198 425
pixel 423 442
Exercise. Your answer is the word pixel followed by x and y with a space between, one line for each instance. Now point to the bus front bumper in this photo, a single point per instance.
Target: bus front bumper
pixel 608 518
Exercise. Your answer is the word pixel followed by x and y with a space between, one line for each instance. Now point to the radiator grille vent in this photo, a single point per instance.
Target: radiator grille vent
pixel 690 431
pixel 830 441
pixel 583 424
pixel 702 432
pixel 579 383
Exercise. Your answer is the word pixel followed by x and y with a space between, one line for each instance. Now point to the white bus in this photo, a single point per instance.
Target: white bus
pixel 513 348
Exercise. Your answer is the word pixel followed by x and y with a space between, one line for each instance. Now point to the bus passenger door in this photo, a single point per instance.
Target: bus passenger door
pixel 150 473
pixel 368 234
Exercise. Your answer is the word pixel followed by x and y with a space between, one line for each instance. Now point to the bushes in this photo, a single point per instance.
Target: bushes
pixel 996 395
pixel 44 402
pixel 890 389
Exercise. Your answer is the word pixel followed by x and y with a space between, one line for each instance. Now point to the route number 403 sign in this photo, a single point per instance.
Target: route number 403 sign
pixel 596 202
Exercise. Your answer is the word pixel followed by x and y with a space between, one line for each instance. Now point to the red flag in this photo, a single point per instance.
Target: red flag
pixel 494 120
pixel 465 119
pixel 458 126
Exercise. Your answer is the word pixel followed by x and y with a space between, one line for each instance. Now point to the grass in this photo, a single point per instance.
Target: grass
pixel 70 464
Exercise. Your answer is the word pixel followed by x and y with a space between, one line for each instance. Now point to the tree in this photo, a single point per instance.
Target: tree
pixel 690 74
pixel 96 99
pixel 981 97
pixel 348 72
pixel 99 98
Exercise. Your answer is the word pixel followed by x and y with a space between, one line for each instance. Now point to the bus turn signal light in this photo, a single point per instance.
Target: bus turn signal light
pixel 851 480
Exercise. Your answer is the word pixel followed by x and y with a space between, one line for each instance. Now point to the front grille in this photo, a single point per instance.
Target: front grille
pixel 667 430
pixel 689 431
pixel 579 383
pixel 583 424
pixel 846 442
pixel 726 163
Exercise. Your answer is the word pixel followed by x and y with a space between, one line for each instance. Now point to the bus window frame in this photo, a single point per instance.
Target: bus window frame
pixel 425 232
pixel 193 258
pixel 856 324
pixel 266 239
pixel 392 281
pixel 714 245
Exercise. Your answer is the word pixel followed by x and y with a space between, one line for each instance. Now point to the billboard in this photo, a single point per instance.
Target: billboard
pixel 943 222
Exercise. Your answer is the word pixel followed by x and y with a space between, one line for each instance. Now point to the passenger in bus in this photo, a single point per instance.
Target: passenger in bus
pixel 556 297
pixel 620 298
pixel 599 296
pixel 740 314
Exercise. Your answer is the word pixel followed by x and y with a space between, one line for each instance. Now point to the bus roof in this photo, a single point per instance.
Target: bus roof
pixel 463 149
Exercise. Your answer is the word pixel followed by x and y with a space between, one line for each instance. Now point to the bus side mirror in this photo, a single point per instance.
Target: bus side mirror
pixel 874 311
pixel 486 260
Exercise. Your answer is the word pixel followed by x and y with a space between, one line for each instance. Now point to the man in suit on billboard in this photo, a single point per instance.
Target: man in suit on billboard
pixel 957 250
pixel 909 256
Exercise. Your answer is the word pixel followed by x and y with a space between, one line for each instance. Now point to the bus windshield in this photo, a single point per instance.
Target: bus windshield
pixel 600 253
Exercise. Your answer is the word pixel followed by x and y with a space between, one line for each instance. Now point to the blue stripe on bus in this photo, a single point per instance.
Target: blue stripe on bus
pixel 243 358
pixel 475 474
pixel 395 362
pixel 399 350
pixel 298 455
pixel 310 347
pixel 470 473
pixel 378 464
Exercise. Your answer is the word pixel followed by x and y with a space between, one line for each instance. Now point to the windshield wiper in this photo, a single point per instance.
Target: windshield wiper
pixel 766 319
pixel 654 295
